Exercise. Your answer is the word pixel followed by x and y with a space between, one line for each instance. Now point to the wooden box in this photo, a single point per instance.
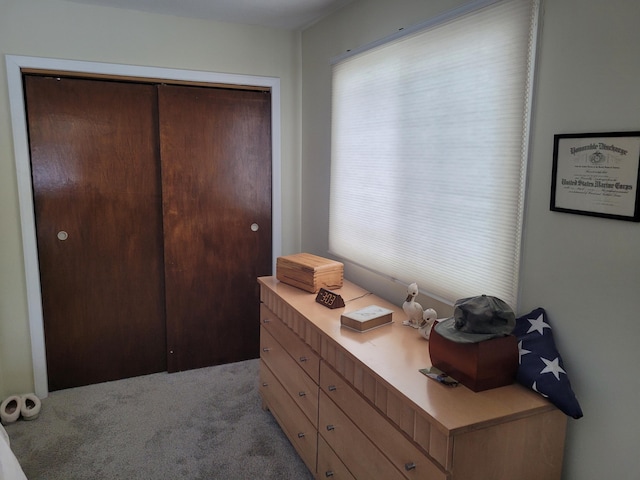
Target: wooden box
pixel 479 366
pixel 310 272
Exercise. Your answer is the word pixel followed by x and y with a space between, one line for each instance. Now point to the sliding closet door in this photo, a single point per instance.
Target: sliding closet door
pixel 96 182
pixel 216 181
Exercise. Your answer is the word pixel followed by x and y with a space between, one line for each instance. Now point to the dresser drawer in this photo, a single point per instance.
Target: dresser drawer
pixel 357 452
pixel 300 351
pixel 329 465
pixel 302 389
pixel 292 420
pixel 404 454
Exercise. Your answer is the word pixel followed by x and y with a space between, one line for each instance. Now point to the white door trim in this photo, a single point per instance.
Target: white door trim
pixel 15 64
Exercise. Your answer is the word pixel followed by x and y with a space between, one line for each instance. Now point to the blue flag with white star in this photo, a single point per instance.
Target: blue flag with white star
pixel 541 367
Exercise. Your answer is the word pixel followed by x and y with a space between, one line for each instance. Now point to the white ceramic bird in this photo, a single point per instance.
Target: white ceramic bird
pixel 428 319
pixel 412 308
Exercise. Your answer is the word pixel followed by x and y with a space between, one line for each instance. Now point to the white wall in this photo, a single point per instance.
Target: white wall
pixel 67 30
pixel 584 270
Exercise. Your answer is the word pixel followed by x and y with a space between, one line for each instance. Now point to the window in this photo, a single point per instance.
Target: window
pixel 429 146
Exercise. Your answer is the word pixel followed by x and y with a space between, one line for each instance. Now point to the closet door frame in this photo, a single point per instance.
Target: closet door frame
pixel 15 66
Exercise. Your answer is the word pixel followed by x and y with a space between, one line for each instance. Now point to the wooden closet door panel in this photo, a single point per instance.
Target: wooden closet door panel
pixel 95 168
pixel 216 181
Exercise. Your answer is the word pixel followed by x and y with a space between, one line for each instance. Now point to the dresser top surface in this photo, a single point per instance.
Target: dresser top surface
pixel 395 353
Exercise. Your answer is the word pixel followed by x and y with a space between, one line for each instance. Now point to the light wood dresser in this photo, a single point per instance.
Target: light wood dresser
pixel 355 406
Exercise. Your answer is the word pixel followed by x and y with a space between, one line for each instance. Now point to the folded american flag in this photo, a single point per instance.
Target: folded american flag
pixel 541 366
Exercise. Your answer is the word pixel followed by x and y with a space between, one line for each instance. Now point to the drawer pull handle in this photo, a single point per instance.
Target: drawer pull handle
pixel 301 435
pixel 328 473
pixel 332 388
pixel 266 349
pixel 409 466
pixel 301 394
pixel 265 384
pixel 266 320
pixel 330 427
pixel 303 359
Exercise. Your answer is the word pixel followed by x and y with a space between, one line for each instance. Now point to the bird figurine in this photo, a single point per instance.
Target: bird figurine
pixel 412 308
pixel 428 320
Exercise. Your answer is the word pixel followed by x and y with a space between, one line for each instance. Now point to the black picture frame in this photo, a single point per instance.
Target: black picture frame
pixel 597 174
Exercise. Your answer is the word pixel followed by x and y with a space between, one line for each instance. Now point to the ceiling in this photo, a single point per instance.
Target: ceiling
pixel 286 14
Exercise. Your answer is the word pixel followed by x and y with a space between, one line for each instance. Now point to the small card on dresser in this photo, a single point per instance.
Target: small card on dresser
pixel 366 318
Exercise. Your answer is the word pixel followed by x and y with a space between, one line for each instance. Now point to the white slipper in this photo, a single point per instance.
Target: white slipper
pixel 10 409
pixel 30 406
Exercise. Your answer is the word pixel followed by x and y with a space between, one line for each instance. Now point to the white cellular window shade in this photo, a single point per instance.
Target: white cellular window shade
pixel 429 147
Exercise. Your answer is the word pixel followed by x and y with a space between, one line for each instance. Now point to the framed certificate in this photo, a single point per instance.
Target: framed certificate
pixel 597 174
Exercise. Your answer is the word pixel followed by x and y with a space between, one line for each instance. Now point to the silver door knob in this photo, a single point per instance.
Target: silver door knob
pixel 254 227
pixel 62 235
